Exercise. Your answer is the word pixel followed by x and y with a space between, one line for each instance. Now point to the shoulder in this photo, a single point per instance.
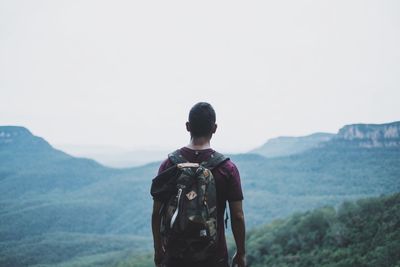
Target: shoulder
pixel 164 165
pixel 230 164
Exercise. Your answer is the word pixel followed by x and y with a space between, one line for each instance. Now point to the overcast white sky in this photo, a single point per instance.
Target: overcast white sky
pixel 126 73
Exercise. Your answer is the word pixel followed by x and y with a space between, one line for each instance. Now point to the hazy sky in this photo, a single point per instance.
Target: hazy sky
pixel 126 73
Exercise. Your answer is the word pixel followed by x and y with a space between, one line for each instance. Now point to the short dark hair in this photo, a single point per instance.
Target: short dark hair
pixel 201 120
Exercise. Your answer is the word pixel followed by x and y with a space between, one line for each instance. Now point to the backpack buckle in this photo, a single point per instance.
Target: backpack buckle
pixel 187 165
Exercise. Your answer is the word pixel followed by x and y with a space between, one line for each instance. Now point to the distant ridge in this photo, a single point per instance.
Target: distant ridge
pixel 20 139
pixel 359 134
pixel 289 145
pixel 29 163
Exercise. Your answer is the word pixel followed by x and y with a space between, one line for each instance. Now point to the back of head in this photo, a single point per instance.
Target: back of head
pixel 202 120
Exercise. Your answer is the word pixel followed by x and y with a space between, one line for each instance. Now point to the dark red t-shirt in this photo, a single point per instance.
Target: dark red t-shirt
pixel 228 186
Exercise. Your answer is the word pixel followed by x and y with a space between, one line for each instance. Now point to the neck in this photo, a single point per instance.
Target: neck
pixel 199 143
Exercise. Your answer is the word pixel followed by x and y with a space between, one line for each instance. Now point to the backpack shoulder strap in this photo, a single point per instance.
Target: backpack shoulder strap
pixel 176 157
pixel 215 160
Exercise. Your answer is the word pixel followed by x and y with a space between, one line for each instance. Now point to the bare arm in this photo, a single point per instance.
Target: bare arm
pixel 155 226
pixel 239 232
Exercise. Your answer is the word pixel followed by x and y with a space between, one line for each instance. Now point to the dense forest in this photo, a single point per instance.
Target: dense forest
pixel 361 233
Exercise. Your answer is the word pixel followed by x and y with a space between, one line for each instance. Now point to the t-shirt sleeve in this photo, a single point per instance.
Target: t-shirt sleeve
pixel 234 187
pixel 164 165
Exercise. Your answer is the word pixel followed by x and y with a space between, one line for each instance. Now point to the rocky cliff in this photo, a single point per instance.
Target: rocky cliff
pixel 371 135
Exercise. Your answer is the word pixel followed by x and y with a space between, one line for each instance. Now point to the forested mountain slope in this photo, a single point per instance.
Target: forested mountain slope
pixel 362 233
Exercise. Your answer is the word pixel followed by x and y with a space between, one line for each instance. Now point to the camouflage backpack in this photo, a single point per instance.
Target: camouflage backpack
pixel 189 217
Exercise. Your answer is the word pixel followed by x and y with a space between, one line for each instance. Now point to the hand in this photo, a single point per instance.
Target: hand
pixel 239 260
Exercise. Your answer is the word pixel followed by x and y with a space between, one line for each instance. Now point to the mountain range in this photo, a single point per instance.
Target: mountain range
pixel 363 135
pixel 57 209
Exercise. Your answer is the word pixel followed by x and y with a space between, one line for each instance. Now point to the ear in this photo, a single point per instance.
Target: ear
pixel 188 126
pixel 214 128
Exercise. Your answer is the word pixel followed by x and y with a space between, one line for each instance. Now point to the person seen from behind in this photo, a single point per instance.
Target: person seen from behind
pixel 190 194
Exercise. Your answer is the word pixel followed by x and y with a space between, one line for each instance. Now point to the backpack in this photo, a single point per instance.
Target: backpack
pixel 189 215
